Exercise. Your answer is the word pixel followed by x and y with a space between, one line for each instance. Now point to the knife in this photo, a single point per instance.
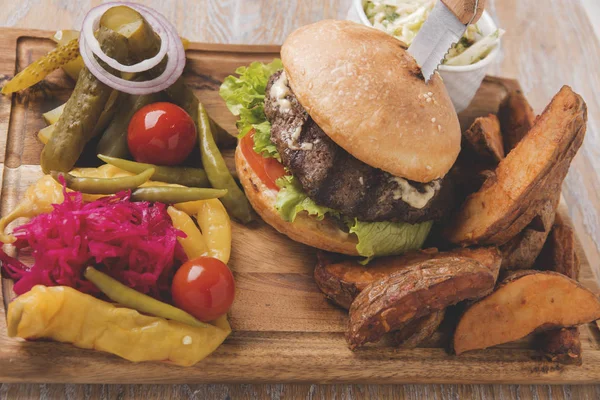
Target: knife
pixel 445 25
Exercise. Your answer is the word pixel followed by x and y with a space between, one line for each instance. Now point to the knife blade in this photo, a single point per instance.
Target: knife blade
pixel 437 35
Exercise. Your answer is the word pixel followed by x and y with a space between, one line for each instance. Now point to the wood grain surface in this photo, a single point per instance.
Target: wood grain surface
pixel 284 329
pixel 548 43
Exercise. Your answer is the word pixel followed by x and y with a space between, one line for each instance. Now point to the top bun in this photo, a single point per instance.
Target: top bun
pixel 369 96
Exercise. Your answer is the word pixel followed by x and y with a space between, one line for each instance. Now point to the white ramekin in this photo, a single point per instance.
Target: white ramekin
pixel 461 82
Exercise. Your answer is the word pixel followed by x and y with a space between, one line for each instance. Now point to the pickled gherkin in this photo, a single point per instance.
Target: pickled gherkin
pixel 37 71
pixel 74 67
pixel 76 126
pixel 130 23
pixel 53 115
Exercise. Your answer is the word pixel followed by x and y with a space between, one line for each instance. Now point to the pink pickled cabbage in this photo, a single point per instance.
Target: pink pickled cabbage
pixel 134 242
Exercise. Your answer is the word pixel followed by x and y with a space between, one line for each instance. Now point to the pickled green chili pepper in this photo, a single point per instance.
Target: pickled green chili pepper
pixel 235 201
pixel 174 195
pixel 128 297
pixel 186 176
pixel 185 98
pixel 104 185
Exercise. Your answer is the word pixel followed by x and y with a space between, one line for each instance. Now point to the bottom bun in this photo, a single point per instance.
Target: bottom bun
pixel 324 234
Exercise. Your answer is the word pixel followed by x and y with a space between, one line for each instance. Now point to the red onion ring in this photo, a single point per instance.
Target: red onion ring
pixel 173 70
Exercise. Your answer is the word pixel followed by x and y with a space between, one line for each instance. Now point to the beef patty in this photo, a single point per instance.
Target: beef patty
pixel 334 178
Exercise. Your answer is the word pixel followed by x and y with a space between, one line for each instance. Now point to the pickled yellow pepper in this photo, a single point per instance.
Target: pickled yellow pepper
pixel 40 196
pixel 193 244
pixel 216 229
pixel 38 199
pixel 69 316
pixel 214 223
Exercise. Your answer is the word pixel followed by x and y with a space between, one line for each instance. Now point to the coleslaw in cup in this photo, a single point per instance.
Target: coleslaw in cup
pixel 465 66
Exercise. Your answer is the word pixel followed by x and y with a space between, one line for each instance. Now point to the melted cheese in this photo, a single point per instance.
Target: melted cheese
pixel 296 134
pixel 279 91
pixel 411 196
pixel 292 141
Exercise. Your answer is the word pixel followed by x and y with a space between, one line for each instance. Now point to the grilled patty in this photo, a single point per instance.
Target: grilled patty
pixel 334 178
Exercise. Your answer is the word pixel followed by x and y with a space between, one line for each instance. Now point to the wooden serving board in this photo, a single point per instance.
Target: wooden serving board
pixel 284 329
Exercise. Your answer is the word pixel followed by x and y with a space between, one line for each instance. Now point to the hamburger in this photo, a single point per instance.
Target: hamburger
pixel 344 147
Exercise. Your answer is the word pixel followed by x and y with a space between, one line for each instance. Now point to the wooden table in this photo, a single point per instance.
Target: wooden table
pixel 548 43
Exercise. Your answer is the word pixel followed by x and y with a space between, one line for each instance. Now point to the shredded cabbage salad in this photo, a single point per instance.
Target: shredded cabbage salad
pixel 244 96
pixel 403 20
pixel 134 242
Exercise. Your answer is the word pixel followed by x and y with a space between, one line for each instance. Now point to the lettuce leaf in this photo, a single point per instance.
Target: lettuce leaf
pixel 262 141
pixel 244 95
pixel 389 238
pixel 291 199
pixel 374 238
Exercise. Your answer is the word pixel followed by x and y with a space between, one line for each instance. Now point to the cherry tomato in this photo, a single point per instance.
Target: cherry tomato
pixel 203 287
pixel 267 169
pixel 161 133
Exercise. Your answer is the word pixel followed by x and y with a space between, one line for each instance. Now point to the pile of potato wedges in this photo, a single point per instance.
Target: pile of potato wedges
pixel 508 260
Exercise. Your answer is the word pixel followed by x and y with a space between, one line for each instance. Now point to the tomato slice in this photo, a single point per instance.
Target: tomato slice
pixel 274 169
pixel 267 169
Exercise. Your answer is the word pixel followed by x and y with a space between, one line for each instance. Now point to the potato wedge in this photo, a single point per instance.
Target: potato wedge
pixel 468 175
pixel 524 181
pixel 391 302
pixel 341 278
pixel 521 251
pixel 559 254
pixel 485 139
pixel 561 345
pixel 526 302
pixel 419 330
pixel 516 119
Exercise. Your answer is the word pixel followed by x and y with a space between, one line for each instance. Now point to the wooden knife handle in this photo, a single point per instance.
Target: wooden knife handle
pixel 465 9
